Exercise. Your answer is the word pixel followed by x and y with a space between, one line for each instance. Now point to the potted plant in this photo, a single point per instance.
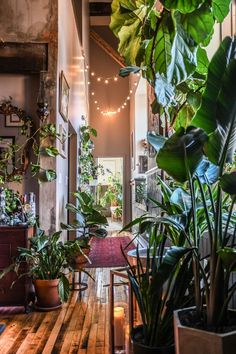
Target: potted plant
pixel 89 221
pixel 159 283
pixel 203 155
pixel 113 196
pixel 47 260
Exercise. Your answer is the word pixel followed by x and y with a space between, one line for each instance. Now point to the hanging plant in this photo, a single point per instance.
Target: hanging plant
pixel 89 170
pixel 15 158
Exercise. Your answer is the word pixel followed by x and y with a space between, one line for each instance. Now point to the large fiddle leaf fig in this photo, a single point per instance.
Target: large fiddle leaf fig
pixel 126 23
pixel 221 9
pixel 182 152
pixel 184 6
pixel 199 23
pixel 218 109
pixel 183 55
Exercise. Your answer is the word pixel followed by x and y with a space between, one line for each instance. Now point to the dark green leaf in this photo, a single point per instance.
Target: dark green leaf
pixel 228 183
pixel 218 109
pixel 181 146
pixel 228 256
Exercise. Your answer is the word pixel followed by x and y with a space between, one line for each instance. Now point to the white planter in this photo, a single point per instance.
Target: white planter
pixel 195 341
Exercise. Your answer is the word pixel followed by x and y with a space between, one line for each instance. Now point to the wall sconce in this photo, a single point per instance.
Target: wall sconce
pixel 42 102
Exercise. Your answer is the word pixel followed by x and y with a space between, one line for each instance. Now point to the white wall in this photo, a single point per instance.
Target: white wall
pixel 71 61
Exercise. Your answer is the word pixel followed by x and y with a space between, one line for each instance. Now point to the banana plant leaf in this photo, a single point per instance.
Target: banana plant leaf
pixel 228 183
pixel 207 172
pixel 216 115
pixel 184 145
pixel 157 141
pixel 228 256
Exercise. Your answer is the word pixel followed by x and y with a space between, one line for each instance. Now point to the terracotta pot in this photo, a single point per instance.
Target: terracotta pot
pixel 47 294
pixel 80 258
pixel 139 348
pixel 193 340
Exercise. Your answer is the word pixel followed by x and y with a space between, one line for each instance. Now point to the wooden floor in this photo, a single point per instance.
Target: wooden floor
pixel 80 326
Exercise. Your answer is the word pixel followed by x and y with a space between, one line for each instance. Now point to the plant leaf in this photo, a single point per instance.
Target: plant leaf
pixel 184 6
pixel 228 256
pixel 157 141
pixel 63 288
pixel 199 23
pixel 218 109
pixel 183 55
pixel 128 70
pixel 181 145
pixel 221 9
pixel 228 183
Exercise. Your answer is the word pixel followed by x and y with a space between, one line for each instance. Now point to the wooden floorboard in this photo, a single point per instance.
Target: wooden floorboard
pixel 81 326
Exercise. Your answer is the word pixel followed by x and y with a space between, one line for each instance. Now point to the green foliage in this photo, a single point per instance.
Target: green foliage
pixel 160 283
pixel 201 158
pixel 167 46
pixel 89 220
pixel 87 166
pixel 37 143
pixel 113 195
pixel 47 258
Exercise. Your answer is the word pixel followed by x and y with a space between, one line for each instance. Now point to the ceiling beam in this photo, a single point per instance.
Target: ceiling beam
pixel 107 48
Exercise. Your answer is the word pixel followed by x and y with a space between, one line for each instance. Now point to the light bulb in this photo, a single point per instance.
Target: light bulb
pixel 115 78
pixel 128 98
pixel 98 108
pixel 98 79
pixel 95 102
pixel 92 93
pixel 130 91
pixel 92 74
pixel 106 81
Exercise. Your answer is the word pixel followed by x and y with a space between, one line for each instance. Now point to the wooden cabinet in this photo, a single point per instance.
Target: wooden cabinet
pixel 12 237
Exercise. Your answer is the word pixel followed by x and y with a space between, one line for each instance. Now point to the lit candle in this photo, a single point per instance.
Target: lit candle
pixel 119 321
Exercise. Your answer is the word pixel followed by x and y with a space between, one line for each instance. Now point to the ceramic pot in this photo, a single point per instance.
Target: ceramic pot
pixel 193 340
pixel 47 294
pixel 139 348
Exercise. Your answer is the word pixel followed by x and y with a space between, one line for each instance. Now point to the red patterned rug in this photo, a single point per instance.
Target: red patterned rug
pixel 106 252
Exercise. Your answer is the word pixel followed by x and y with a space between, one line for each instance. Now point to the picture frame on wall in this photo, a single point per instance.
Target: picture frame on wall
pixel 63 140
pixel 64 91
pixel 13 120
pixel 5 143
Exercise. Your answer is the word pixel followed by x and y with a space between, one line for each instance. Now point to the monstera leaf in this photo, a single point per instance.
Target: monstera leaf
pixel 218 109
pixel 182 152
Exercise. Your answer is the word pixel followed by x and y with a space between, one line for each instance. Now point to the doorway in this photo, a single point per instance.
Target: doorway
pixel 110 189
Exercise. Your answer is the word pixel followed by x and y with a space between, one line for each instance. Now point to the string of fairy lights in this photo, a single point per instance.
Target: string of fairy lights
pixel 107 81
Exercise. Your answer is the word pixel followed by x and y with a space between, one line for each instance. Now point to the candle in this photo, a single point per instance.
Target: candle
pixel 119 321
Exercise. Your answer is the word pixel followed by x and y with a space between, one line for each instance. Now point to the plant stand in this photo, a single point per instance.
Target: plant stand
pixel 78 285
